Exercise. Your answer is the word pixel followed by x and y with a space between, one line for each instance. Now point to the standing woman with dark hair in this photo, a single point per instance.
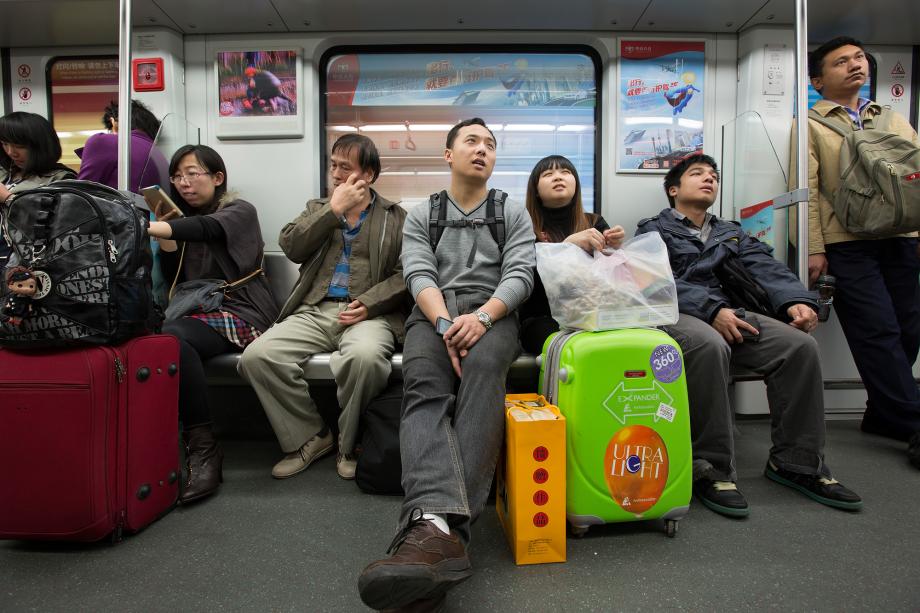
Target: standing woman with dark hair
pixel 554 204
pixel 29 158
pixel 100 154
pixel 221 239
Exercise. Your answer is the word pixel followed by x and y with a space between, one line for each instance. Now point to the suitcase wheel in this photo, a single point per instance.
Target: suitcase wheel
pixel 670 527
pixel 578 531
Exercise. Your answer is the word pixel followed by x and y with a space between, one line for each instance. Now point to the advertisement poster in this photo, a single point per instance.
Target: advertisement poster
pixel 257 93
pixel 257 83
pixel 81 88
pixel 462 79
pixel 660 115
pixel 757 221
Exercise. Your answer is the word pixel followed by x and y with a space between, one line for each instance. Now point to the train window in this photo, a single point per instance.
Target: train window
pixel 80 88
pixel 537 103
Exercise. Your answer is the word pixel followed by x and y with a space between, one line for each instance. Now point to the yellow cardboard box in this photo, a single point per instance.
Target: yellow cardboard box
pixel 531 480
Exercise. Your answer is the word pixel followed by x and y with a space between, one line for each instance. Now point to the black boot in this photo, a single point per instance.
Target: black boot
pixel 204 461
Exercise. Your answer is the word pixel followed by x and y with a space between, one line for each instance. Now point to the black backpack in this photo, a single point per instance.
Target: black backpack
pixel 86 246
pixel 495 217
pixel 379 469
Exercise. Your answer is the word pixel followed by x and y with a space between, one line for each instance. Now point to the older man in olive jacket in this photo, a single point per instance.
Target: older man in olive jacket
pixel 348 300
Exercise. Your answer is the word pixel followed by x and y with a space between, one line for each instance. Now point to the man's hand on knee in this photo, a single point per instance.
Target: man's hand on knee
pixel 729 326
pixel 803 317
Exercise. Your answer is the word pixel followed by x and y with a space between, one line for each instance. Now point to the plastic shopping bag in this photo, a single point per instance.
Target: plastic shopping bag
pixel 618 288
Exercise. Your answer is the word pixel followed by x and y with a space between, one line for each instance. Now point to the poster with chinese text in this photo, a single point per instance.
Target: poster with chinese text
pixel 660 111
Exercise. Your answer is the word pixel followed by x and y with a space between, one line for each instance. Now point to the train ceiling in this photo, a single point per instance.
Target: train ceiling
pixel 33 23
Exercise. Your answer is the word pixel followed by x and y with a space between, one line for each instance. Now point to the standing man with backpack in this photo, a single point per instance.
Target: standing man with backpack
pixel 461 339
pixel 878 295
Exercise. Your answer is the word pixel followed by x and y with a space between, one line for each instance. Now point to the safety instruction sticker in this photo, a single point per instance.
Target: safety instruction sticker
pixel 666 363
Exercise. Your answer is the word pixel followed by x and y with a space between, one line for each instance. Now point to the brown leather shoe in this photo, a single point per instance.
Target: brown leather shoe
pixel 425 605
pixel 426 564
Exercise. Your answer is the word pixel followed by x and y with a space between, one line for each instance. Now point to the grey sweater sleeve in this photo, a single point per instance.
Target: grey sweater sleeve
pixel 420 265
pixel 518 258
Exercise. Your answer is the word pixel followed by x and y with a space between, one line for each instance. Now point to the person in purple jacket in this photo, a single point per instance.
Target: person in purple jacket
pixel 100 154
pixel 100 164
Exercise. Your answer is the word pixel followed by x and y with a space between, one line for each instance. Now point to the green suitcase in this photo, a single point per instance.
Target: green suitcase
pixel 624 397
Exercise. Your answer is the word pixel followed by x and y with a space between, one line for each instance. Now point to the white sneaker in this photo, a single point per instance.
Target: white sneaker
pixel 345 465
pixel 298 461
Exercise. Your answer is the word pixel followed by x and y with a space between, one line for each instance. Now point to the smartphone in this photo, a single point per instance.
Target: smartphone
pixel 161 204
pixel 753 320
pixel 442 325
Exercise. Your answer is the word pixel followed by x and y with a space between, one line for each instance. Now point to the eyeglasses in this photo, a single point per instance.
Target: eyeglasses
pixel 188 177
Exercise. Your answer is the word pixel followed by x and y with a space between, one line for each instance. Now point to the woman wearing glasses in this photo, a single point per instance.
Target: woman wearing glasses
pixel 218 238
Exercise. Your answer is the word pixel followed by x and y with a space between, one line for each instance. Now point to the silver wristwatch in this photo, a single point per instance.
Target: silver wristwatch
pixel 485 319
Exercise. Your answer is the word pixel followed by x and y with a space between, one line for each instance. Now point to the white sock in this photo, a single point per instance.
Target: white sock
pixel 438 520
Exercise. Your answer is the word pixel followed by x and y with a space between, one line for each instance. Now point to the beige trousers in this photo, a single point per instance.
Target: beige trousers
pixel 360 363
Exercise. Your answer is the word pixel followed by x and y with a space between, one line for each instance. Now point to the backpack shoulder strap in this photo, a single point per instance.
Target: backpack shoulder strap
pixel 495 216
pixel 882 121
pixel 437 213
pixel 827 123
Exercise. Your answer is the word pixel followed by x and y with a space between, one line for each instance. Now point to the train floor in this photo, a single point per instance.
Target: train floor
pixel 298 545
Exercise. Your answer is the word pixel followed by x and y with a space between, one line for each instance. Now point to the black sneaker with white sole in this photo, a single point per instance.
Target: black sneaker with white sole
pixel 817 487
pixel 723 497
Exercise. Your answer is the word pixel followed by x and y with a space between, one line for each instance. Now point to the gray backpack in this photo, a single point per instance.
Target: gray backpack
pixel 879 192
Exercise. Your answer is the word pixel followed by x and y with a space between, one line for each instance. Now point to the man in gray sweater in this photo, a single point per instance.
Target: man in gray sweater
pixel 468 262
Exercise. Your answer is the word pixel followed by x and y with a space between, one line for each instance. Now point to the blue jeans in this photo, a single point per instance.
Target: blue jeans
pixel 451 429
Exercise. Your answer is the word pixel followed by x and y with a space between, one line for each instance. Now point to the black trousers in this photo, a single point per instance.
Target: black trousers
pixel 535 331
pixel 197 342
pixel 878 303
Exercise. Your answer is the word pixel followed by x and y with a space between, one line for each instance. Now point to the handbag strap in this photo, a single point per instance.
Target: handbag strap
pixel 227 287
pixel 172 288
pixel 232 286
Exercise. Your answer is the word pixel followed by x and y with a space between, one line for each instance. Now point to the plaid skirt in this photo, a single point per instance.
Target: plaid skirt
pixel 229 326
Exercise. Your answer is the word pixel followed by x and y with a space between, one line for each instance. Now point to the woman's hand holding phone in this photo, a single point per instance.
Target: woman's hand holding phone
pixel 161 205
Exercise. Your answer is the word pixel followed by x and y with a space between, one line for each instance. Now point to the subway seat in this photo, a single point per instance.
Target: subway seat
pixel 282 275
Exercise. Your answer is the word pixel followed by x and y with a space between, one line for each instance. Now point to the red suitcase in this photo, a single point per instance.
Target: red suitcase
pixel 88 439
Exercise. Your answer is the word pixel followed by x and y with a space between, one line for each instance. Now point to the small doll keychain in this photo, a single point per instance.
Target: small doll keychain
pixel 23 286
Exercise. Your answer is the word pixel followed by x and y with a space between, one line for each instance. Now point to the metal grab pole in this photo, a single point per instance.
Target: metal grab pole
pixel 124 95
pixel 801 113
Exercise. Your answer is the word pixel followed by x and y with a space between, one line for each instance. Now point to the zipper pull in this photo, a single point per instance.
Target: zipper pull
pixel 891 169
pixel 119 370
pixel 113 252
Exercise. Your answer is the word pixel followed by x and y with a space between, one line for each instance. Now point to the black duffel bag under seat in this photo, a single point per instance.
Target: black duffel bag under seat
pixel 379 468
pixel 86 245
